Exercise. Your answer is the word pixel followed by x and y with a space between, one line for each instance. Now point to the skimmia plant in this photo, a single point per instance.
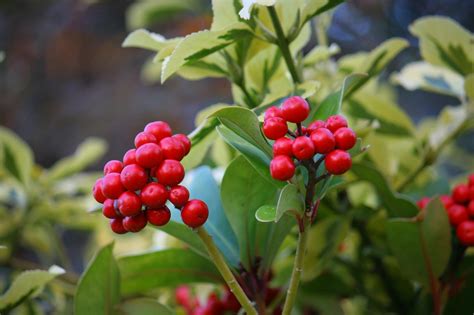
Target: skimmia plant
pixel 305 194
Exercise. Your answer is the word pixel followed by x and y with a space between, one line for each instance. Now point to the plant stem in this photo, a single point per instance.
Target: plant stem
pixel 297 270
pixel 228 276
pixel 283 44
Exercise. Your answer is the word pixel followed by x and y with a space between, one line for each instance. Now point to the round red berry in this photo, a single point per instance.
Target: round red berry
pixel 338 162
pixel 274 128
pixel 154 195
pixel 159 129
pixel 179 195
pixel 271 112
pixel 136 223
pixel 295 109
pixel 113 166
pixel 315 125
pixel 194 213
pixel 173 149
pixel 143 138
pixel 109 210
pixel 185 141
pixel 97 191
pixel 282 168
pixel 158 217
pixel 465 233
pixel 129 157
pixel 112 187
pixel 470 180
pixel 170 173
pixel 283 146
pixel 117 226
pixel 423 202
pixel 471 192
pixel 446 200
pixel 323 140
pixel 214 305
pixel 470 208
pixel 129 204
pixel 345 138
pixel 303 148
pixel 457 214
pixel 230 302
pixel 133 177
pixel 461 193
pixel 149 155
pixel 335 122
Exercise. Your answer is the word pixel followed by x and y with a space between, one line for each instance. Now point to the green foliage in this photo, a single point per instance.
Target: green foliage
pixel 16 157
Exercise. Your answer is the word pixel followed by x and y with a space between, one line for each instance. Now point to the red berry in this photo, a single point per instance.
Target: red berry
pixel 129 204
pixel 465 233
pixel 117 226
pixel 282 168
pixel 461 193
pixel 149 155
pixel 97 191
pixel 136 223
pixel 470 208
pixel 214 305
pixel 173 149
pixel 185 298
pixel 158 217
pixel 113 166
pixel 323 140
pixel 335 122
pixel 303 148
pixel 470 180
pixel 345 138
pixel 338 162
pixel 109 210
pixel 112 187
pixel 423 202
pixel 185 141
pixel 457 214
pixel 194 213
pixel 170 173
pixel 274 128
pixel 133 177
pixel 144 137
pixel 315 125
pixel 154 195
pixel 129 157
pixel 179 195
pixel 283 146
pixel 471 192
pixel 271 112
pixel 295 109
pixel 446 200
pixel 159 129
pixel 230 302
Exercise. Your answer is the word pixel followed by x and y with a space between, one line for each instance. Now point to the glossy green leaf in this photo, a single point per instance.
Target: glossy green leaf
pixel 166 268
pixel 422 247
pixel 185 234
pixel 147 40
pixel 27 285
pixel 98 291
pixel 396 204
pixel 143 306
pixel 16 156
pixel 266 213
pixel 291 199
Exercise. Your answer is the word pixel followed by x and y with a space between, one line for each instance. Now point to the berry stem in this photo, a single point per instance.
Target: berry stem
pixel 225 271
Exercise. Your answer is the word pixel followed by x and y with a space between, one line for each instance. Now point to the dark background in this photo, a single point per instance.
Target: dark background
pixel 65 76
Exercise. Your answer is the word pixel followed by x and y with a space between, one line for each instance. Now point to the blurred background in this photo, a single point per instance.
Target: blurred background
pixel 65 76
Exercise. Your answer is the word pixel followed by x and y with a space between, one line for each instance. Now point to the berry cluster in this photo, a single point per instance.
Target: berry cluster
pixel 460 208
pixel 331 138
pixel 134 192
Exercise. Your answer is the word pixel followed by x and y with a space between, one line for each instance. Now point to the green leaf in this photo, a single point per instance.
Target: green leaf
pixel 224 14
pixel 16 156
pixel 332 104
pixel 147 40
pixel 87 153
pixel 397 205
pixel 316 7
pixel 199 148
pixel 143 306
pixel 98 291
pixel 428 77
pixel 266 213
pixel 444 42
pixel 422 247
pixel 27 285
pixel 469 86
pixel 165 268
pixel 185 234
pixel 320 53
pixel 290 200
pixel 324 237
pixel 199 45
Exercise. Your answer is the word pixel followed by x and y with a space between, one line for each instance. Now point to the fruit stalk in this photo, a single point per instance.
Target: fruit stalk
pixel 225 271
